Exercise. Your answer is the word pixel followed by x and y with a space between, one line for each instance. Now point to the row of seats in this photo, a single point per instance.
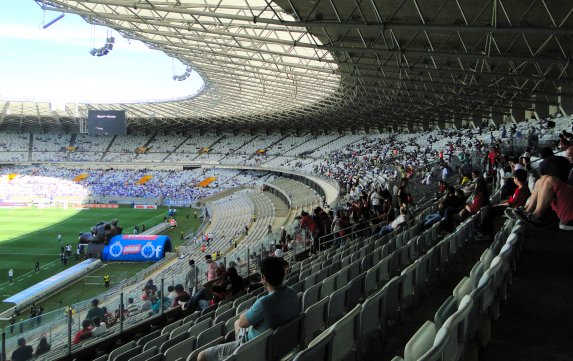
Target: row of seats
pixel 462 324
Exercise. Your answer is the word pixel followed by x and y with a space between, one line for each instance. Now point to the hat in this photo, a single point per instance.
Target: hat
pixel 282 227
pixel 526 155
pixel 279 253
pixel 521 175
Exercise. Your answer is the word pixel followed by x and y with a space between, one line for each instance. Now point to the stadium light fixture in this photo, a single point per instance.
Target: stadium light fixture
pixel 104 50
pixel 185 75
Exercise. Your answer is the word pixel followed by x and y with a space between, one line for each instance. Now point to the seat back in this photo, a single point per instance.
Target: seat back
pixel 255 349
pixel 436 352
pixel 155 342
pixel 125 356
pixel 373 313
pixel 211 334
pixel 285 338
pixel 421 342
pixel 456 326
pixel 179 350
pixel 319 350
pixel 314 320
pixel 224 316
pixel 463 288
pixel 337 304
pixel 245 305
pixel 328 286
pixel 355 291
pixel 448 308
pixel 199 327
pixel 121 349
pixel 142 356
pixel 311 296
pixel 394 298
pixel 346 334
pixel 193 356
pixel 173 341
pixel 170 327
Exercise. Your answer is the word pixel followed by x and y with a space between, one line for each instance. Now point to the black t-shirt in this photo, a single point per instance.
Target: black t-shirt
pixel 22 353
pixel 555 166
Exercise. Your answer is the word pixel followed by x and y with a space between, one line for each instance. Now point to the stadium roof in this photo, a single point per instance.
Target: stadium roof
pixel 316 64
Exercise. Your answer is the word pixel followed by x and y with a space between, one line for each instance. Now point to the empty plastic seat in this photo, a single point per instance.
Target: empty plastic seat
pixel 346 334
pixel 320 349
pixel 421 342
pixel 121 349
pixel 180 350
pixel 285 338
pixel 456 327
pixel 314 320
pixel 152 351
pixel 310 296
pixel 224 316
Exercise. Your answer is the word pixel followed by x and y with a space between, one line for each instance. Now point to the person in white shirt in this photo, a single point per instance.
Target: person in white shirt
pixel 397 223
pixel 100 327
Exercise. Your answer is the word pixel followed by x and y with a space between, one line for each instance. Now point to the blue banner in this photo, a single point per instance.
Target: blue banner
pixel 137 248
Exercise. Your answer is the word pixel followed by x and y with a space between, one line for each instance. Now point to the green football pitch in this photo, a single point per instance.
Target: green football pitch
pixel 30 234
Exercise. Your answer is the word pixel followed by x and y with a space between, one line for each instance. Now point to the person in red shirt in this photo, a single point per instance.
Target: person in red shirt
pixel 519 196
pixel 84 333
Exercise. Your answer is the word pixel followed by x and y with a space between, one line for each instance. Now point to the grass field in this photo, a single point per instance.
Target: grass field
pixel 28 235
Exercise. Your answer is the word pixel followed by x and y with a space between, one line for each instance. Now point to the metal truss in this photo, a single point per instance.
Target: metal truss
pixel 320 64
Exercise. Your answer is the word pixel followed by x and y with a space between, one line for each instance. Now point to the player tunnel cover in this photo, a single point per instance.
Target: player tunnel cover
pixel 137 248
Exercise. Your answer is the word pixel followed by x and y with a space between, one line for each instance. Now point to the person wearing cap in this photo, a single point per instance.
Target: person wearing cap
pixel 23 352
pixel 519 196
pixel 94 312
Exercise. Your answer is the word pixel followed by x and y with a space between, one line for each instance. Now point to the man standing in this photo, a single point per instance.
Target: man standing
pixel 95 311
pixel 59 238
pixel 106 281
pixel 11 275
pixel 268 312
pixel 37 266
pixel 191 277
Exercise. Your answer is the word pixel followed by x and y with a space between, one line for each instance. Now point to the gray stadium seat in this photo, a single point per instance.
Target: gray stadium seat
pixel 285 338
pixel 195 353
pixel 210 334
pixel 394 298
pixel 314 320
pixel 152 351
pixel 199 327
pixel 172 341
pixel 224 316
pixel 243 306
pixel 170 327
pixel 230 324
pixel 255 349
pixel 121 349
pixel 421 342
pixel 181 349
pixel 337 304
pixel 125 356
pixel 448 308
pixel 328 286
pixel 456 327
pixel 150 336
pixel 346 334
pixel 155 342
pixel 310 296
